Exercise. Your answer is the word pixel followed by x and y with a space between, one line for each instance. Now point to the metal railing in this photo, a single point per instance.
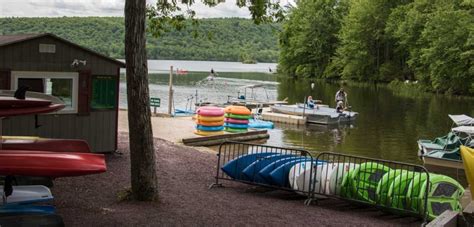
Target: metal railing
pixel 388 185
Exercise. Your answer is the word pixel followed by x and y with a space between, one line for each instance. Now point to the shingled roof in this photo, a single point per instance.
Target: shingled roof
pixel 6 40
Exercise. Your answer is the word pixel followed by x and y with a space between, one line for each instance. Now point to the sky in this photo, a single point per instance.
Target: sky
pixel 59 8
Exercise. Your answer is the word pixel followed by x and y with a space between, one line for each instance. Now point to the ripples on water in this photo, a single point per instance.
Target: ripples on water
pixel 388 126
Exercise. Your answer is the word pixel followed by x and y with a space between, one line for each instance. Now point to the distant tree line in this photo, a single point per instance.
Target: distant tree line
pixel 221 39
pixel 429 41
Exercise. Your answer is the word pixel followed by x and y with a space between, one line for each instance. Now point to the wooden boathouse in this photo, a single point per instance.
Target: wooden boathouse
pixel 88 82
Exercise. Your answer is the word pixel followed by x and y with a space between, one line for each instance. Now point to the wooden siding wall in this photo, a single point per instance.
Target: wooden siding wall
pixel 25 56
pixel 98 128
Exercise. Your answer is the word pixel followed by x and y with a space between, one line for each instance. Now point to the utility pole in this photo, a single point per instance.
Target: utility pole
pixel 170 94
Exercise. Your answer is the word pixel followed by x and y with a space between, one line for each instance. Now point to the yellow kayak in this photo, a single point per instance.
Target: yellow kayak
pixel 467 155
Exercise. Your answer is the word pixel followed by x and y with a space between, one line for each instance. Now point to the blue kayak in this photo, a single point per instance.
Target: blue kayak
pixel 234 167
pixel 42 209
pixel 264 173
pixel 251 172
pixel 279 176
pixel 210 128
pixel 260 124
pixel 237 126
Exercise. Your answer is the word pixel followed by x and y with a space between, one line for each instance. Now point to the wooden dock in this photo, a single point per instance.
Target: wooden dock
pixel 267 115
pixel 216 140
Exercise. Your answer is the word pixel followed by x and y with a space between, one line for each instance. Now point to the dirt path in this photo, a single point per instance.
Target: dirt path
pixel 184 176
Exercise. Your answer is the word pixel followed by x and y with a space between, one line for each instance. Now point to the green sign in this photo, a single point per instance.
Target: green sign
pixel 155 102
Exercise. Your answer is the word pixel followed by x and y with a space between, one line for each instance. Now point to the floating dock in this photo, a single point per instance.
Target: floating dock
pixel 267 115
pixel 218 139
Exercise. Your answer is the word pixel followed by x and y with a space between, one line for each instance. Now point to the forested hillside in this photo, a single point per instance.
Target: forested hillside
pixel 431 42
pixel 229 39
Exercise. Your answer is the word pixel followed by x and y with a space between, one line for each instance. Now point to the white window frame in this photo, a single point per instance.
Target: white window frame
pixel 52 75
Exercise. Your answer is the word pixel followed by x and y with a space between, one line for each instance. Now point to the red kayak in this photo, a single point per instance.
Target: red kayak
pixel 50 164
pixel 10 106
pixel 41 144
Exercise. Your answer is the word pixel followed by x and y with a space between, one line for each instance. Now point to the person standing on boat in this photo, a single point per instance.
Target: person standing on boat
pixel 341 95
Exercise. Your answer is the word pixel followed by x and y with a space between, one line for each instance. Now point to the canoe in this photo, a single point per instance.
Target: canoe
pixel 383 187
pixel 264 173
pixel 210 111
pixel 319 173
pixel 27 209
pixel 38 219
pixel 234 167
pixel 444 194
pixel 280 175
pixel 34 103
pixel 363 180
pixel 50 164
pixel 27 194
pixel 251 172
pixel 468 157
pixel 42 144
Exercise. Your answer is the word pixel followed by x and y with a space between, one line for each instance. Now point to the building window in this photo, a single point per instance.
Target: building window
pixel 47 48
pixel 104 93
pixel 61 85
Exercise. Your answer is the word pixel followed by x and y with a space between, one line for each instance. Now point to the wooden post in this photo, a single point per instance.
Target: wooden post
pixel 170 94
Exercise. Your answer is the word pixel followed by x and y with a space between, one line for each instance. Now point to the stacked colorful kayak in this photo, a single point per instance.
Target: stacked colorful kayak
pixel 237 118
pixel 210 121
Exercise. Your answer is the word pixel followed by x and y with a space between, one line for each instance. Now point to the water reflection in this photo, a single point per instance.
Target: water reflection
pixel 389 122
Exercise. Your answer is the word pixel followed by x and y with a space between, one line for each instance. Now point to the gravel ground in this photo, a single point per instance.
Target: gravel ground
pixel 184 175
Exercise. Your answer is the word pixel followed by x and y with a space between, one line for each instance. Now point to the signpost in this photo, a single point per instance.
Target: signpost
pixel 155 102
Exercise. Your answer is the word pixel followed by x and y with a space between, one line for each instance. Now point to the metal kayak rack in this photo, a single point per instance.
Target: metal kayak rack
pixel 397 187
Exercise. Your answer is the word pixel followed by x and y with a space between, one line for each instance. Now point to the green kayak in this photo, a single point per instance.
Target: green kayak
pixel 384 184
pixel 361 183
pixel 445 194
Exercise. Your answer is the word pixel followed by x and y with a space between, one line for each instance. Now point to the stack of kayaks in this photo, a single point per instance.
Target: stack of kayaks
pixel 370 182
pixel 376 183
pixel 210 121
pixel 26 205
pixel 266 168
pixel 237 118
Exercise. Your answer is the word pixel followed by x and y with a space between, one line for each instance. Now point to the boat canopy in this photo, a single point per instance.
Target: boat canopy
pixel 464 129
pixel 461 120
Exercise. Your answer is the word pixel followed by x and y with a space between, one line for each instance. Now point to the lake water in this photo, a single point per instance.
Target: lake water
pixel 388 126
pixel 163 66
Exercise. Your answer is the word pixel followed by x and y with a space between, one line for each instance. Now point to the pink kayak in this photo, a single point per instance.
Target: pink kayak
pixel 210 111
pixel 50 164
pixel 10 106
pixel 236 121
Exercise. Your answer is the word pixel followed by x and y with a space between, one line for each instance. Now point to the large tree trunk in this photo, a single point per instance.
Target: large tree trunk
pixel 142 153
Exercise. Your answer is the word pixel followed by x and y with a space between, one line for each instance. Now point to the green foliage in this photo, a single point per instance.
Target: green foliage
pixel 383 40
pixel 217 39
pixel 308 39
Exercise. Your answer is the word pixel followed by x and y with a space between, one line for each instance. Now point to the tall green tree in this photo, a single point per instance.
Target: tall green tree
pixel 163 15
pixel 309 37
pixel 438 39
pixel 366 52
